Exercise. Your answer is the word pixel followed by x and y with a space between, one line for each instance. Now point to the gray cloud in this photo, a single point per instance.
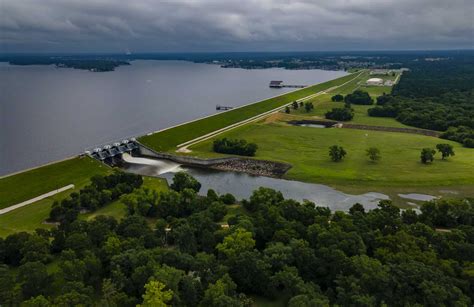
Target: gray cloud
pixel 233 25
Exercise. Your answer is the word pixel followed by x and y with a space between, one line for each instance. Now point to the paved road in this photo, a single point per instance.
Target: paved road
pixel 38 198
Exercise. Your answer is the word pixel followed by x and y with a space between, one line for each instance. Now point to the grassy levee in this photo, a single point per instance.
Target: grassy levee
pixel 29 184
pixel 168 139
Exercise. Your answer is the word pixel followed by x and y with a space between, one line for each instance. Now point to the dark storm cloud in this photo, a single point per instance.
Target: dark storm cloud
pixel 148 25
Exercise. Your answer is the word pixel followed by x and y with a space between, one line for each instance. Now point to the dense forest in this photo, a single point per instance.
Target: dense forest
pixel 436 95
pixel 178 248
pixel 92 63
pixel 246 60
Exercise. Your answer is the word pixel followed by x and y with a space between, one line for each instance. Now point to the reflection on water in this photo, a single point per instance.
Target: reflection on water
pixel 242 185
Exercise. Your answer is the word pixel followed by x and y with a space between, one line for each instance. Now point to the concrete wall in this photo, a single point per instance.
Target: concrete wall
pixel 147 152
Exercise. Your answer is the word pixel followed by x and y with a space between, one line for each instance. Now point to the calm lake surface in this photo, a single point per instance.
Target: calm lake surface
pixel 47 114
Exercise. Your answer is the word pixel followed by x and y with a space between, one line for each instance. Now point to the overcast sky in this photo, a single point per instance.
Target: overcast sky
pixel 234 25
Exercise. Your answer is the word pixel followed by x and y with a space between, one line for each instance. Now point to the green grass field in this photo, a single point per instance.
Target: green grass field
pixel 29 184
pixel 117 208
pixel 400 168
pixel 323 103
pixel 31 217
pixel 168 139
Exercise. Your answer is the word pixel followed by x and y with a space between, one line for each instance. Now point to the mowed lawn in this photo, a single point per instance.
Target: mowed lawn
pixel 30 217
pixel 323 104
pixel 23 186
pixel 170 138
pixel 33 216
pixel 307 150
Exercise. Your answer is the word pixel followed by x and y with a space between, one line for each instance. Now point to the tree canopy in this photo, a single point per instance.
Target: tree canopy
pixel 191 250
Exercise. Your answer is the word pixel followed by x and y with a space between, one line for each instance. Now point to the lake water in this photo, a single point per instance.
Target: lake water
pixel 48 113
pixel 242 185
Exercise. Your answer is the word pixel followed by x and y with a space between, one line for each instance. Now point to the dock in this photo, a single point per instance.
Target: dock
pixel 280 84
pixel 223 108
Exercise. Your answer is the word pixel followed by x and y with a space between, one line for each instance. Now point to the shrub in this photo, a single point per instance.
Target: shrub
pixel 182 180
pixel 427 155
pixel 228 199
pixel 461 134
pixel 373 153
pixel 359 97
pixel 236 147
pixel 337 153
pixel 343 114
pixel 386 111
pixel 308 106
pixel 337 98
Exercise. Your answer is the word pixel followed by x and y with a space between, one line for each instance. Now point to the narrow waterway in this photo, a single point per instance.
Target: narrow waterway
pixel 242 185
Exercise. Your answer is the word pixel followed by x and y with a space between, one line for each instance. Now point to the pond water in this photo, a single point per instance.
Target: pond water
pixel 49 113
pixel 312 125
pixel 242 185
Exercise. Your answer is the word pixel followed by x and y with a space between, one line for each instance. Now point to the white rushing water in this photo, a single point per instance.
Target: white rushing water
pixel 151 167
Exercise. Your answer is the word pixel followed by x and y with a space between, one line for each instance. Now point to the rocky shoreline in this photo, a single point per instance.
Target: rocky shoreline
pixel 254 167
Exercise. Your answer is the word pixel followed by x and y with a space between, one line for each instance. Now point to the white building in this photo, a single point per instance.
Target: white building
pixel 374 81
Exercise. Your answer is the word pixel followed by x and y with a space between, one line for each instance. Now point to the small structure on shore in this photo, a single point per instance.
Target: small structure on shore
pixel 375 81
pixel 280 84
pixel 223 108
pixel 277 84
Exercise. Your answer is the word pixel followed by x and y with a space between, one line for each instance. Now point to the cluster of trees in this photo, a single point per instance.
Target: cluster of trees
pixel 461 134
pixel 308 106
pixel 77 62
pixel 235 147
pixel 427 154
pixel 342 114
pixel 299 253
pixel 434 95
pixel 101 191
pixel 337 153
pixel 359 97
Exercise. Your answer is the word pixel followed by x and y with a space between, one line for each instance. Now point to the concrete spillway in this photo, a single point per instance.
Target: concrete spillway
pixel 151 167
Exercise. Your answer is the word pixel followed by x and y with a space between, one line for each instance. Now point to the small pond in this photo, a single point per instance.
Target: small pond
pixel 313 126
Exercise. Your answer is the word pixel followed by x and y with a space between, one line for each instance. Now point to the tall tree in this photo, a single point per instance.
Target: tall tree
pixel 373 153
pixel 337 153
pixel 156 295
pixel 446 150
pixel 427 155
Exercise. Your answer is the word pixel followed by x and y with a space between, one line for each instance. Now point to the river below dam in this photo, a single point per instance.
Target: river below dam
pixel 242 185
pixel 49 113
